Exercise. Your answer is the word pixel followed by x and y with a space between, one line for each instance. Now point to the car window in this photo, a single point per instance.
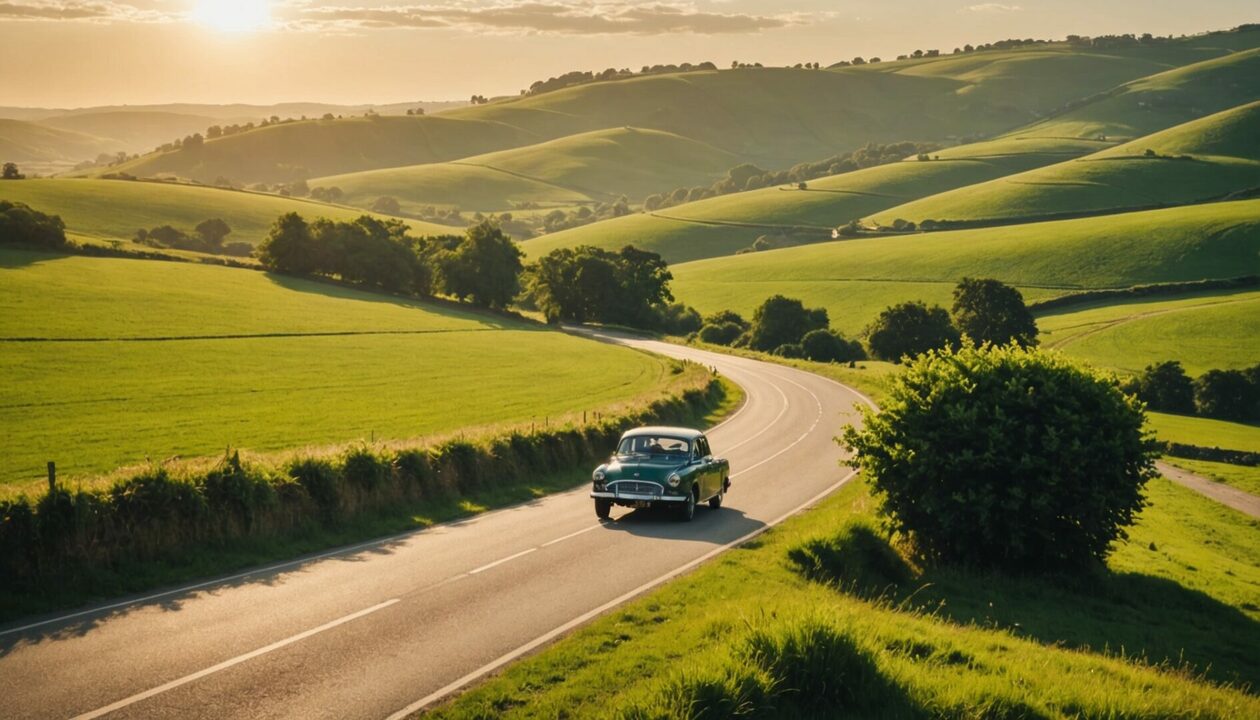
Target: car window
pixel 703 447
pixel 654 445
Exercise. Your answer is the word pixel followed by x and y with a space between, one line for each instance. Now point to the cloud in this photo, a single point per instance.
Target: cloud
pixel 993 8
pixel 81 10
pixel 577 18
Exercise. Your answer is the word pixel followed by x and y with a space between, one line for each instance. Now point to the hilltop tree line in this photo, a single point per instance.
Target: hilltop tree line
pixel 747 176
pixel 984 310
pixel 580 77
pixel 207 237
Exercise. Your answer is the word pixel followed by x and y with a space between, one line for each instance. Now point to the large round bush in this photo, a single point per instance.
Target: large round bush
pixel 1006 457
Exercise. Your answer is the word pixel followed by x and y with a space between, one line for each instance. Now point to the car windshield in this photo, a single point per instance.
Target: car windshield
pixel 654 445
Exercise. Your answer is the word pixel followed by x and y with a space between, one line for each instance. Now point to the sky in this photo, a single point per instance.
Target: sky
pixel 77 53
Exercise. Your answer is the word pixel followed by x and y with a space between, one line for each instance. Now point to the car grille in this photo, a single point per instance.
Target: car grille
pixel 636 487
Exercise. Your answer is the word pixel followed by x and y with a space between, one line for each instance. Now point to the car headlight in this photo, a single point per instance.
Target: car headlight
pixel 674 480
pixel 598 475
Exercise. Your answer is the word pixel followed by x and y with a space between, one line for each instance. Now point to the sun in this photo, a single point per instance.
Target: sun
pixel 233 15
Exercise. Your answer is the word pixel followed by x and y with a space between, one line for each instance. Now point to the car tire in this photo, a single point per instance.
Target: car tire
pixel 603 508
pixel 715 502
pixel 688 509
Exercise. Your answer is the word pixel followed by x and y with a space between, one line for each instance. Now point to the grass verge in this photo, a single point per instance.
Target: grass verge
pixel 1168 630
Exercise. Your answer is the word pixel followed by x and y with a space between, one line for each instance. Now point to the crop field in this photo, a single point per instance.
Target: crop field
pixel 122 362
pixel 1205 432
pixel 1204 332
pixel 953 644
pixel 116 208
pixel 594 166
pixel 1193 162
pixel 855 279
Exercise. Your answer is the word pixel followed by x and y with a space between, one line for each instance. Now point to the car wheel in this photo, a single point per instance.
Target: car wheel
pixel 603 508
pixel 689 507
pixel 715 502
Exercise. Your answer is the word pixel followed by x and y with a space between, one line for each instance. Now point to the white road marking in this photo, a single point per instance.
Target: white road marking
pixel 585 617
pixel 499 562
pixel 570 535
pixel 768 426
pixel 234 661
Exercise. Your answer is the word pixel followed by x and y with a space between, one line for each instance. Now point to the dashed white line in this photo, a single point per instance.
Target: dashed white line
pixel 234 661
pixel 570 536
pixel 499 562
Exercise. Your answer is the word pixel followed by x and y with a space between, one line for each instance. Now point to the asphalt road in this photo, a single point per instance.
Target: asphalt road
pixel 382 628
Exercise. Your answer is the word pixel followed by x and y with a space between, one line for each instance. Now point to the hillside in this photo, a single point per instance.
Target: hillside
pixel 593 166
pixel 128 359
pixel 33 143
pixel 1193 162
pixel 133 131
pixel 772 116
pixel 117 208
pixel 855 279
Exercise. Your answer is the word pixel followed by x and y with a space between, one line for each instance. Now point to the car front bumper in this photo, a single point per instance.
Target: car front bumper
pixel 636 497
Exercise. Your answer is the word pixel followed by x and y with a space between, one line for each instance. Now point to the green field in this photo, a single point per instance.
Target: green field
pixel 855 279
pixel 1206 432
pixel 116 208
pixel 121 376
pixel 594 166
pixel 1193 162
pixel 1204 332
pixel 1174 615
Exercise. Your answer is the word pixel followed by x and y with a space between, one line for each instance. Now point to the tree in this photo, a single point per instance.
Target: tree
pixel 1165 387
pixel 989 311
pixel 678 319
pixel 387 204
pixel 783 321
pixel 212 233
pixel 724 333
pixel 1227 395
pixel 10 172
pixel 485 267
pixel 726 316
pixel 289 247
pixel 829 346
pixel 909 329
pixel 21 224
pixel 585 283
pixel 1006 457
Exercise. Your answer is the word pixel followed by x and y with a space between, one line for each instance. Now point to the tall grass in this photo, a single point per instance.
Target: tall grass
pixel 67 538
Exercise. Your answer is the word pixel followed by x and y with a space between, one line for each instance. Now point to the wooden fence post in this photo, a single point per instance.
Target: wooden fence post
pixel 52 477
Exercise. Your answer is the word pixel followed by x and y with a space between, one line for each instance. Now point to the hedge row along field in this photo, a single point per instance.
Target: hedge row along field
pixel 71 538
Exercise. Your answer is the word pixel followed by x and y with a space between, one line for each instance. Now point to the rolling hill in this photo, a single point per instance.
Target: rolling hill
pixel 772 116
pixel 855 279
pixel 1198 161
pixel 116 208
pixel 133 131
pixel 593 166
pixel 33 143
pixel 125 359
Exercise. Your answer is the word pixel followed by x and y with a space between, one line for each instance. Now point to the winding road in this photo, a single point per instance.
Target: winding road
pixel 382 629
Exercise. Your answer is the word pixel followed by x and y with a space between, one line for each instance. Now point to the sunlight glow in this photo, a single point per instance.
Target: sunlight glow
pixel 233 15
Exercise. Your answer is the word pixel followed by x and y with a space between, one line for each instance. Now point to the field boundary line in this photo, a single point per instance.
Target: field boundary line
pixel 249 336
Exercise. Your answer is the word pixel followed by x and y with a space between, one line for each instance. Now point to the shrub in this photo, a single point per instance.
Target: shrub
pixel 1227 395
pixel 679 319
pixel 990 311
pixel 830 346
pixel 910 329
pixel 783 321
pixel 1165 387
pixel 790 350
pixel 723 334
pixel 726 316
pixel 1006 457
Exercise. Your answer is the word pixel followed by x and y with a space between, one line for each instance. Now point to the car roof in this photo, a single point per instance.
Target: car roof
pixel 678 432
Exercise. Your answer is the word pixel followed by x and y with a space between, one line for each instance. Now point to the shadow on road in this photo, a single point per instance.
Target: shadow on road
pixel 712 526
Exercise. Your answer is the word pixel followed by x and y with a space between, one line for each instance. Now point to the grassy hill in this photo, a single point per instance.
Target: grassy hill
pixel 1192 162
pixel 28 142
pixel 128 359
pixel 133 131
pixel 117 208
pixel 1204 332
pixel 594 166
pixel 772 116
pixel 855 279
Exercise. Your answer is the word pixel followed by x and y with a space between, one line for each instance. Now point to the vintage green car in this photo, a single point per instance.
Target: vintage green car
pixel 661 466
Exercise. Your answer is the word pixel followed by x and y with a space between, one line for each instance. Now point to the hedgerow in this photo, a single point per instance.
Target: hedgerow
pixel 66 536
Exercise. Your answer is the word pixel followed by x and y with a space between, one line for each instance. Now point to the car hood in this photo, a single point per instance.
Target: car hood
pixel 657 469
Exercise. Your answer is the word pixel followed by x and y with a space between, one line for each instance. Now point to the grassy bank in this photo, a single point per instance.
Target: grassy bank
pixel 1168 630
pixel 167 523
